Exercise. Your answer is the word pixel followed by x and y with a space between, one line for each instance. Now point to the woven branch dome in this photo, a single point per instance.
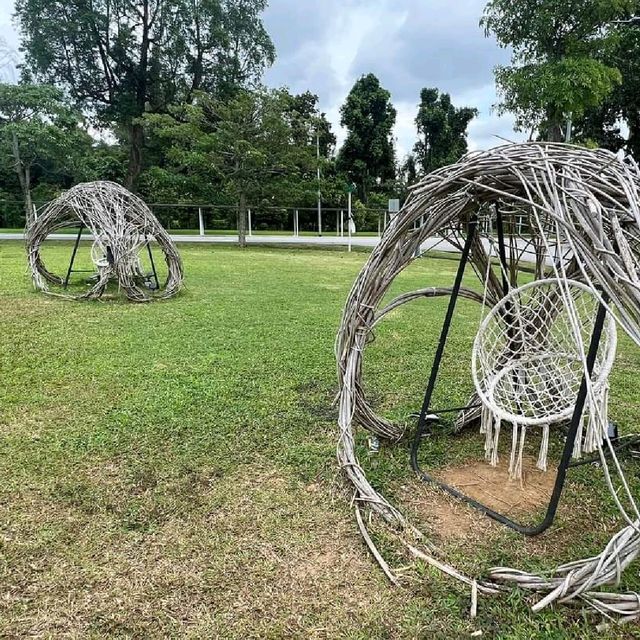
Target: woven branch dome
pixel 581 212
pixel 122 226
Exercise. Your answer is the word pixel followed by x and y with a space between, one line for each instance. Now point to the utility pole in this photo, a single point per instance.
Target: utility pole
pixel 319 194
pixel 349 217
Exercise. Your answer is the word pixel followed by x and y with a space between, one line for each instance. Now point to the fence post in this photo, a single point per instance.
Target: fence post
pixel 249 221
pixel 342 223
pixel 295 222
pixel 200 221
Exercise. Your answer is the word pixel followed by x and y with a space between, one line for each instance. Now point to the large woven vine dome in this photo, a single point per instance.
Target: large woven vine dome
pixel 575 219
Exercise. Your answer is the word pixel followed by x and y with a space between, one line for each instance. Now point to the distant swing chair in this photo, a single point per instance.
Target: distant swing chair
pixel 122 227
pixel 566 220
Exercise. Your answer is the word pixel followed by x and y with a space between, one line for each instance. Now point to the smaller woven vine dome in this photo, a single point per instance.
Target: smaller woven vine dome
pixel 122 227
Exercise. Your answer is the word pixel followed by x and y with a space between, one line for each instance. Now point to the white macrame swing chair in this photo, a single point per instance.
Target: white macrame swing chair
pixel 528 362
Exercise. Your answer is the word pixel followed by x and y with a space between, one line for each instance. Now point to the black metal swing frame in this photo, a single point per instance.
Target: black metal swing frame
pixel 70 270
pixel 428 417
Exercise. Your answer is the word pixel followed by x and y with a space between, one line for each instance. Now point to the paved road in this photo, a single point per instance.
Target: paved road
pixel 361 241
pixel 322 241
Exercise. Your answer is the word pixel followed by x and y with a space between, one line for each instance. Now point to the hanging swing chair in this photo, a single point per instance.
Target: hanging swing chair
pixel 563 224
pixel 528 363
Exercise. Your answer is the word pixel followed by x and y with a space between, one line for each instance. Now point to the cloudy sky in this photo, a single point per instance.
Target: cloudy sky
pixel 325 45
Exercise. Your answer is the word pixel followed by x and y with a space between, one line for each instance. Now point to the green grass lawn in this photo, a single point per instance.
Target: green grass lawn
pixel 168 470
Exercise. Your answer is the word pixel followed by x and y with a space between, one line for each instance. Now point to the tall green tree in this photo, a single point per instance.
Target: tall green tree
pixel 39 134
pixel 555 70
pixel 367 155
pixel 120 59
pixel 442 130
pixel 602 125
pixel 309 125
pixel 245 144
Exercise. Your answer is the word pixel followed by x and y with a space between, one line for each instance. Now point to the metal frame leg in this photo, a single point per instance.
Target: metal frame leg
pixel 153 264
pixel 73 256
pixel 473 223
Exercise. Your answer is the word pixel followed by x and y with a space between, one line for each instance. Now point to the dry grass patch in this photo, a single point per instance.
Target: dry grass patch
pixel 256 555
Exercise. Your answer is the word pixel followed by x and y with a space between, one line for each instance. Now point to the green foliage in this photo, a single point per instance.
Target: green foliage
pixel 442 129
pixel 601 124
pixel 368 156
pixel 555 72
pixel 256 147
pixel 235 143
pixel 40 137
pixel 307 122
pixel 119 59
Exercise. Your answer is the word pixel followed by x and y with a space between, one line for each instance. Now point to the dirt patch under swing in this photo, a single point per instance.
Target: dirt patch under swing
pixel 452 519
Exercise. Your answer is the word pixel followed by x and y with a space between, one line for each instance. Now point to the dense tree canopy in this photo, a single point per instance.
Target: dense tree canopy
pixel 368 156
pixel 442 130
pixel 603 125
pixel 556 71
pixel 119 59
pixel 255 147
pixel 39 134
pixel 165 96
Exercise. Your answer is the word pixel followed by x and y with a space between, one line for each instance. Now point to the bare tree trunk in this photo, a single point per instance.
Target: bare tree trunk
pixel 242 220
pixel 553 129
pixel 136 132
pixel 633 141
pixel 136 141
pixel 24 178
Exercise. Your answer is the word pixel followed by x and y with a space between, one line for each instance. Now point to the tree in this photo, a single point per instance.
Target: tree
pixel 555 72
pixel 307 122
pixel 601 125
pixel 120 58
pixel 367 155
pixel 442 129
pixel 245 144
pixel 38 130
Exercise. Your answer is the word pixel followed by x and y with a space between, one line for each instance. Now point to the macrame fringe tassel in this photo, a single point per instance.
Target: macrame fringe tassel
pixel 590 436
pixel 517 449
pixel 496 437
pixel 490 426
pixel 544 449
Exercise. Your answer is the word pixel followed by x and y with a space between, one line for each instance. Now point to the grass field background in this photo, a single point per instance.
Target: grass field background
pixel 168 470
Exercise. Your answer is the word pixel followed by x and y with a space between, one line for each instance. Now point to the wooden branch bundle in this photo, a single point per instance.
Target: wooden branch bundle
pixel 122 225
pixel 584 203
